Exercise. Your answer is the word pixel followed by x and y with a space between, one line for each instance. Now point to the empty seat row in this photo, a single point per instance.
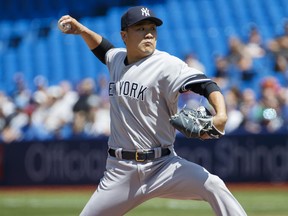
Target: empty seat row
pixel 201 27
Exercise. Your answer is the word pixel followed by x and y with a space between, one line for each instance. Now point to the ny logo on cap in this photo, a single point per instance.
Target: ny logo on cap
pixel 145 12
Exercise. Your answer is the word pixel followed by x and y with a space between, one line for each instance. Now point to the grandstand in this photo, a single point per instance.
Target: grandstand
pixel 31 43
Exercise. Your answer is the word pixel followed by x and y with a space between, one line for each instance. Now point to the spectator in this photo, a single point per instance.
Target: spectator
pixel 254 47
pixel 194 62
pixel 242 72
pixel 86 88
pixel 221 67
pixel 270 105
pixel 82 108
pixel 99 117
pixel 235 117
pixel 279 49
pixel 9 135
pixel 246 70
pixel 59 112
pixel 236 50
pixel 7 109
pixel 39 116
pixel 21 94
pixel 32 132
pixel 2 119
pixel 18 119
pixel 283 100
pixel 251 111
pixel 7 104
pixel 102 89
pixel 222 73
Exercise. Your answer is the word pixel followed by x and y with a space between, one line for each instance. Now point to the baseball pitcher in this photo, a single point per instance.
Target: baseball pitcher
pixel 144 87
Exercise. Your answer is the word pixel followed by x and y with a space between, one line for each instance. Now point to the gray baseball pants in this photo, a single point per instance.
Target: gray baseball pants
pixel 127 184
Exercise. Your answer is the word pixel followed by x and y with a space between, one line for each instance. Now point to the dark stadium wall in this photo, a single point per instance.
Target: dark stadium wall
pixel 253 158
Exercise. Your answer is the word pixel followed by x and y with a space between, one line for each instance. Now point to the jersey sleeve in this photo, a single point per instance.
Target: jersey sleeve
pixel 109 56
pixel 114 57
pixel 179 76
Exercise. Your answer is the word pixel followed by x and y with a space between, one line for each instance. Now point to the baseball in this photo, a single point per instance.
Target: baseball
pixel 65 26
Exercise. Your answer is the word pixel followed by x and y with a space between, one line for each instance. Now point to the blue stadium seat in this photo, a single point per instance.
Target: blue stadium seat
pixel 240 14
pixel 21 27
pixel 5 30
pixel 40 59
pixel 207 13
pixel 164 42
pixel 201 47
pixel 183 43
pixel 71 59
pixel 256 10
pixel 113 19
pixel 267 32
pixel 87 61
pixel 9 67
pixel 24 55
pixel 55 44
pixel 283 4
pixel 161 12
pixel 217 40
pixel 224 13
pixel 192 15
pixel 175 15
pixel 274 11
pixel 97 24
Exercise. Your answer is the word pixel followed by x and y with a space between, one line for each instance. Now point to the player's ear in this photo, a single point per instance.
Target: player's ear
pixel 124 36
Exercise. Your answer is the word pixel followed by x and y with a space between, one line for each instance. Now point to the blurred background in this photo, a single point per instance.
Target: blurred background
pixel 54 108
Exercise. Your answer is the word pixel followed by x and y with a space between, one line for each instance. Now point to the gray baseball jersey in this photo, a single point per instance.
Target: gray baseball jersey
pixel 143 96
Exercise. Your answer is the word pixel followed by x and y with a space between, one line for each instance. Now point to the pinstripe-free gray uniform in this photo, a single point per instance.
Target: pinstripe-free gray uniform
pixel 143 96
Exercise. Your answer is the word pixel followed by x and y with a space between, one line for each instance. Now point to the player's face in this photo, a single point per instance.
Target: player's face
pixel 140 39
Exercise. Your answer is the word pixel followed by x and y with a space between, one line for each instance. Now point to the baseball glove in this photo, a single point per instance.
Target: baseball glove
pixel 193 123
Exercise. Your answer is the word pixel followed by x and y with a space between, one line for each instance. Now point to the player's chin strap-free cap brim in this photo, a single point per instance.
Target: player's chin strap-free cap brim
pixel 137 14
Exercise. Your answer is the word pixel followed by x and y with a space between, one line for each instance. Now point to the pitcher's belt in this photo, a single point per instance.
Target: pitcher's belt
pixel 141 155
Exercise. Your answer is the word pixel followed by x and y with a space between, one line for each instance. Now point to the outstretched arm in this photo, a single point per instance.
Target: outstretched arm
pixel 91 38
pixel 97 44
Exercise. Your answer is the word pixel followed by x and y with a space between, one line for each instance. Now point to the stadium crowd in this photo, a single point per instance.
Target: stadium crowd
pixel 252 75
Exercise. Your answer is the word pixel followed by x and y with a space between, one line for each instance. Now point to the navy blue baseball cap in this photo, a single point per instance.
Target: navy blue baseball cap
pixel 136 14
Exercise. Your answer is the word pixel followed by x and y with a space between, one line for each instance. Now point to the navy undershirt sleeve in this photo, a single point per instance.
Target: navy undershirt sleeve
pixel 203 88
pixel 101 50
